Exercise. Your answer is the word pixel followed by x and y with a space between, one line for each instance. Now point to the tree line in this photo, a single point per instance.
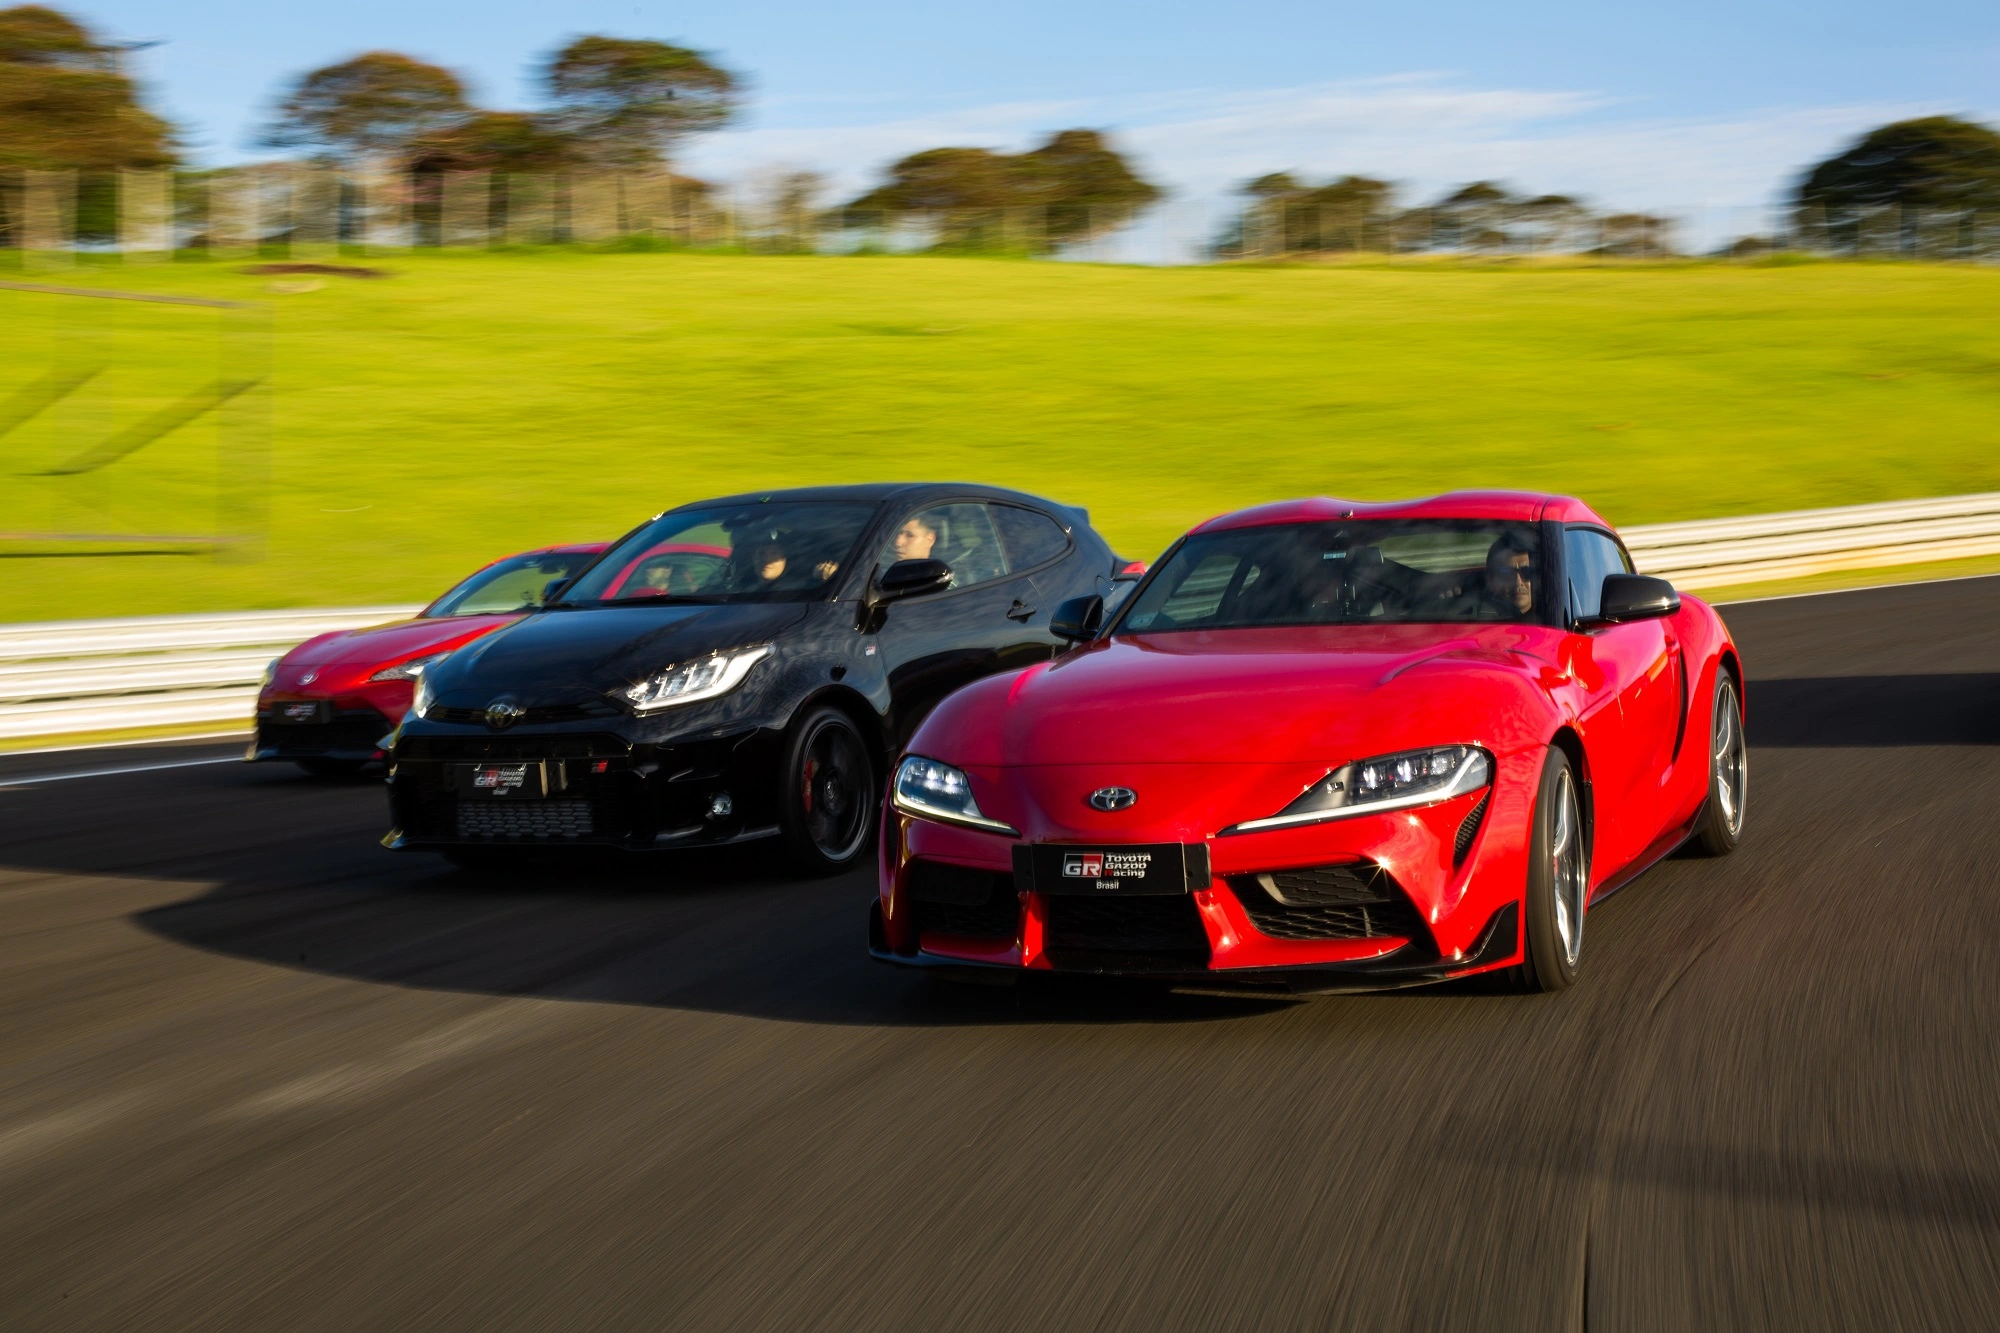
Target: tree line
pixel 615 104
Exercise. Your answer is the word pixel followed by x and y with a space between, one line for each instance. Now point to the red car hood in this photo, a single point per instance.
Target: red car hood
pixel 392 642
pixel 1250 696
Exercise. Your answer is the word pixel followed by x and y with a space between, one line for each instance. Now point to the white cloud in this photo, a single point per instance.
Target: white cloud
pixel 1423 130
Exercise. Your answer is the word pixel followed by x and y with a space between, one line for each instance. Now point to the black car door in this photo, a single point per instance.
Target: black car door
pixel 1047 568
pixel 934 643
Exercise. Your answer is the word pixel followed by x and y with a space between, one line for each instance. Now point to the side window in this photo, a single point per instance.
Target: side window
pixel 1588 555
pixel 1199 595
pixel 961 535
pixel 1031 538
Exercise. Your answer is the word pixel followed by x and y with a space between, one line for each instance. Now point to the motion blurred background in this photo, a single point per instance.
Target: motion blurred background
pixel 352 301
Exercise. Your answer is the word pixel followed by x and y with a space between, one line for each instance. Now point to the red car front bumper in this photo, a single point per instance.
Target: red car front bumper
pixel 1397 898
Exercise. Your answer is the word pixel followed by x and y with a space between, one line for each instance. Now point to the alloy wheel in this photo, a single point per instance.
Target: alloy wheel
pixel 1568 869
pixel 1732 764
pixel 835 787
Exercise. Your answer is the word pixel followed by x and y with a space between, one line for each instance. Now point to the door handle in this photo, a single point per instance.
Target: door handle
pixel 1020 611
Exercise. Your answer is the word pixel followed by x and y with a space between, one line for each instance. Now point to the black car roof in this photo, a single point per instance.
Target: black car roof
pixel 885 492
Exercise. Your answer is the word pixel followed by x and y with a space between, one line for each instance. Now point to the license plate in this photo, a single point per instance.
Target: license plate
pixel 516 780
pixel 1106 869
pixel 302 712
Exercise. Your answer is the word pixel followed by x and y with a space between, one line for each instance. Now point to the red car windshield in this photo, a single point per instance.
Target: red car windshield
pixel 1385 571
pixel 515 584
pixel 786 552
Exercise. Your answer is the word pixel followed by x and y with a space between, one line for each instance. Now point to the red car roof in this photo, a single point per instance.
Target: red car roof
pixel 1507 506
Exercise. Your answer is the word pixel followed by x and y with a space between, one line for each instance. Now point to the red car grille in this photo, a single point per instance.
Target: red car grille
pixel 1140 934
pixel 958 900
pixel 1340 902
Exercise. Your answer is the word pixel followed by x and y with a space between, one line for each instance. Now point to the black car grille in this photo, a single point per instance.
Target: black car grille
pixel 540 820
pixel 581 745
pixel 959 900
pixel 573 712
pixel 1358 901
pixel 350 731
pixel 1138 934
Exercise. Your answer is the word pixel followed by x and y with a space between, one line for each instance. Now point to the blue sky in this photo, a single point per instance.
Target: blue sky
pixel 1696 105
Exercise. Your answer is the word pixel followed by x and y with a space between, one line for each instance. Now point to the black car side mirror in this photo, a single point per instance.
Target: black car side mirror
pixel 911 578
pixel 1078 619
pixel 550 589
pixel 1636 597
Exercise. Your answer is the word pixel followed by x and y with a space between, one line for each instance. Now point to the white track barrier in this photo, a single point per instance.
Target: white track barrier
pixel 1721 552
pixel 64 678
pixel 67 678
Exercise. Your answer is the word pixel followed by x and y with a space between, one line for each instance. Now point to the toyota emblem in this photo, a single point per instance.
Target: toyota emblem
pixel 309 677
pixel 503 713
pixel 1112 798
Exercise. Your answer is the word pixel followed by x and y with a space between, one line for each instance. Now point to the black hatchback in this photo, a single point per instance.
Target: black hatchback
pixel 735 669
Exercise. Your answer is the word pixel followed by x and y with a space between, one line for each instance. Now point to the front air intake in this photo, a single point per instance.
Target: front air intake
pixel 1355 901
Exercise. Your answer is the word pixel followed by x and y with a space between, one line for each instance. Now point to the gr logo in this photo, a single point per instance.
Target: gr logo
pixel 1084 865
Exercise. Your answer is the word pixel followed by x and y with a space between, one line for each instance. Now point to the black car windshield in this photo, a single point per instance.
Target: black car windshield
pixel 775 552
pixel 1384 571
pixel 517 583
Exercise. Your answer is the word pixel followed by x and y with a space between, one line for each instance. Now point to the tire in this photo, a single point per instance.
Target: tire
pixel 827 806
pixel 1558 881
pixel 1721 826
pixel 332 768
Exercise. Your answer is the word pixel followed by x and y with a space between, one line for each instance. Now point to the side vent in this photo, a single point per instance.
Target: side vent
pixel 1468 831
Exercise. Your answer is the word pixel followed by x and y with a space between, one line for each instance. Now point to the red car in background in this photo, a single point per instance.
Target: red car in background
pixel 327 703
pixel 1325 745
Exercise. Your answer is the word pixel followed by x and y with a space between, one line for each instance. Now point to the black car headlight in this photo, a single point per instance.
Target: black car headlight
pixel 425 696
pixel 702 678
pixel 1387 782
pixel 930 790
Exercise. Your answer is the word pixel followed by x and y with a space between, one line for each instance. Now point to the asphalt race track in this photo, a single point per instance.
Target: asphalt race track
pixel 257 1073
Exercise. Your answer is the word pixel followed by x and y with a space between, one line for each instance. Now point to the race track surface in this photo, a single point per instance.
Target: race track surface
pixel 257 1073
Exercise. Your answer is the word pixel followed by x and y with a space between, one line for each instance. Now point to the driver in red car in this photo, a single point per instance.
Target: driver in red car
pixel 1509 591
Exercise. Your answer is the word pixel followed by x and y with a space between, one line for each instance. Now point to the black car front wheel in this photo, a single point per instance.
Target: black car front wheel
pixel 828 805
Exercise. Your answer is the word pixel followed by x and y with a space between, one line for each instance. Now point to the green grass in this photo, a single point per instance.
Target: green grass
pixel 473 404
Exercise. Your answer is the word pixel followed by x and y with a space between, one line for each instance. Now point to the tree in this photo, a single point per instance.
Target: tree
pixel 66 102
pixel 374 104
pixel 628 102
pixel 944 180
pixel 1082 184
pixel 1938 163
pixel 1074 184
pixel 512 142
pixel 1288 216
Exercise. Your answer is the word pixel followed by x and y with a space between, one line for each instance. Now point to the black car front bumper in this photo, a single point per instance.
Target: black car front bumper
pixel 595 789
pixel 345 735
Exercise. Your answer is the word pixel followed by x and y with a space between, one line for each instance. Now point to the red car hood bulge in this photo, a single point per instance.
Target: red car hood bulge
pixel 392 642
pixel 1249 696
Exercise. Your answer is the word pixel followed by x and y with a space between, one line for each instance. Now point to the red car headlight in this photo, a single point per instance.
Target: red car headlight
pixel 930 790
pixel 411 669
pixel 1387 782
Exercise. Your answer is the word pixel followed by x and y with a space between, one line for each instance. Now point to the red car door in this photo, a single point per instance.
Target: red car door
pixel 1633 709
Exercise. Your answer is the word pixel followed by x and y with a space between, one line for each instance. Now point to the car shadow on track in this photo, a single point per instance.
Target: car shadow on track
pixel 269 866
pixel 708 933
pixel 1840 711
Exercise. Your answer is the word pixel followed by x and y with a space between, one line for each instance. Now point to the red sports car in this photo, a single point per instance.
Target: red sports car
pixel 1325 745
pixel 327 703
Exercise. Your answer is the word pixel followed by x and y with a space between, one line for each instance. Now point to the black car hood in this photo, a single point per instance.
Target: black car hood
pixel 575 656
